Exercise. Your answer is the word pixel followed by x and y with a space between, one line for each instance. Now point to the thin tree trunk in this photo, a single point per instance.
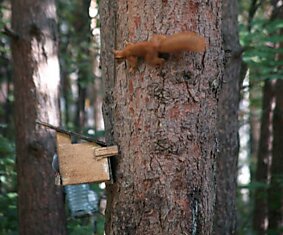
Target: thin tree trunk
pixel 97 89
pixel 80 105
pixel 163 120
pixel 262 174
pixel 36 79
pixel 254 121
pixel 225 217
pixel 275 192
pixel 66 93
pixel 98 100
pixel 82 27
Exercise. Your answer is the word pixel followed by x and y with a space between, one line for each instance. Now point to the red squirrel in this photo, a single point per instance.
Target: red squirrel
pixel 149 50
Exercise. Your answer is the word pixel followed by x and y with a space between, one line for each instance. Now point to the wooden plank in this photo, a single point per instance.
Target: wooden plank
pixel 63 138
pixel 77 164
pixel 106 151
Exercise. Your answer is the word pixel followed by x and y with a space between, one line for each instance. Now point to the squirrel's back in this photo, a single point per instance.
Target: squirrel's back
pixel 183 41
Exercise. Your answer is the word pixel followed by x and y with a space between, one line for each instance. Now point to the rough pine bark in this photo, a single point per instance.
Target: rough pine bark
pixel 225 213
pixel 164 120
pixel 36 80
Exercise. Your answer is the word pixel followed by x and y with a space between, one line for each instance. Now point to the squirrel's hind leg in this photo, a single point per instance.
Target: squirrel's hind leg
pixel 153 59
pixel 132 63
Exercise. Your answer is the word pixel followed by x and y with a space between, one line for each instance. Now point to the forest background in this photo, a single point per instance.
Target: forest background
pixel 261 38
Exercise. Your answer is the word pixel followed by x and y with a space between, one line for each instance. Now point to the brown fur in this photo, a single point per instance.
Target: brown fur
pixel 184 41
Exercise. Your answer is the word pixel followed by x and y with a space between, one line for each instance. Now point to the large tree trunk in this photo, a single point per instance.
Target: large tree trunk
pixel 36 78
pixel 163 119
pixel 225 218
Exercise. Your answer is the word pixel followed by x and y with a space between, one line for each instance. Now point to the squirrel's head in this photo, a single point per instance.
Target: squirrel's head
pixel 118 54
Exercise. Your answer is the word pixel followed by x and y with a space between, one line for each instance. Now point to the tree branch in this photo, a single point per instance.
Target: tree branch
pixel 71 133
pixel 10 33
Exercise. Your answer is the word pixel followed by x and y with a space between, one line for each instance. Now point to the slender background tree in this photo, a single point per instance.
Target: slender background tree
pixel 275 191
pixel 228 105
pixel 262 54
pixel 36 81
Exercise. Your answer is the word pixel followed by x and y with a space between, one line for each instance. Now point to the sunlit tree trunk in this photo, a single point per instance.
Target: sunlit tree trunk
pixel 225 217
pixel 36 79
pixel 164 120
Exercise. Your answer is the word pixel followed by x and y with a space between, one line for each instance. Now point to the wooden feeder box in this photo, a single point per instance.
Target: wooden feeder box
pixel 85 162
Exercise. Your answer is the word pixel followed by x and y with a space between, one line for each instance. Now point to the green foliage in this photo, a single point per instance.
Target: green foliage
pixel 7 97
pixel 7 165
pixel 5 54
pixel 7 161
pixel 8 214
pixel 244 209
pixel 254 185
pixel 261 39
pixel 261 45
pixel 79 226
pixel 275 232
pixel 8 195
pixel 75 36
pixel 75 57
pixel 85 226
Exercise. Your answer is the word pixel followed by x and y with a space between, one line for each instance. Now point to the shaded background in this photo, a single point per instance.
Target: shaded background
pixel 261 36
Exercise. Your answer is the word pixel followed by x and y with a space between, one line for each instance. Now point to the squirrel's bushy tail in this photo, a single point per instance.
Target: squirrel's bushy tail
pixel 183 41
